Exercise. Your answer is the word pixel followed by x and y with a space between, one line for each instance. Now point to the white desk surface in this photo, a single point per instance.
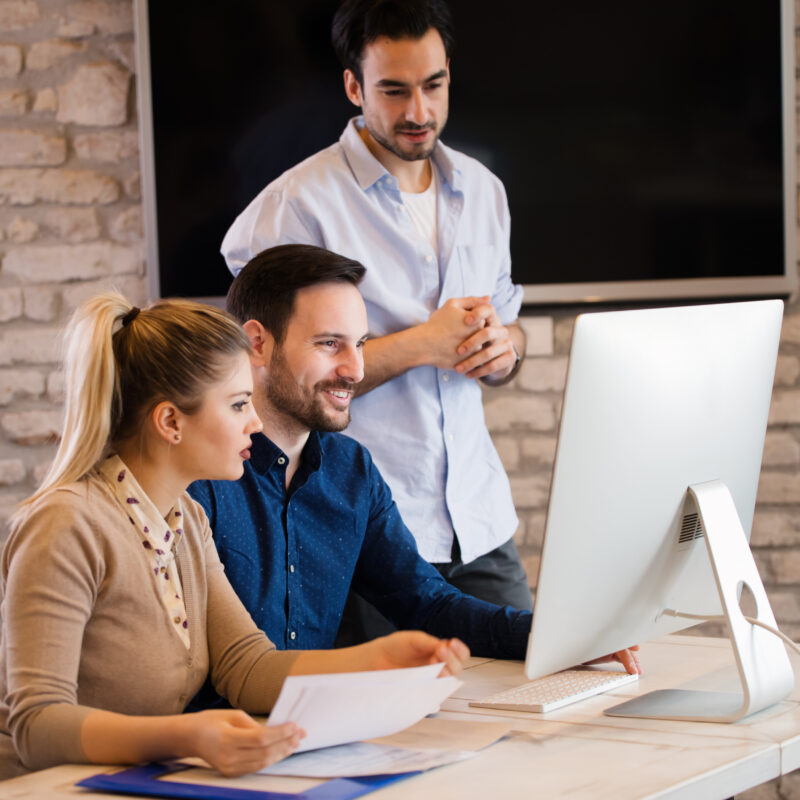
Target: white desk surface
pixel 576 751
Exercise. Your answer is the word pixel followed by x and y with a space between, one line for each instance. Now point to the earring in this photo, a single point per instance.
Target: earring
pixel 176 439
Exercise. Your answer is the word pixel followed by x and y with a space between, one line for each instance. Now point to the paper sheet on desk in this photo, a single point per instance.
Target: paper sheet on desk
pixel 341 708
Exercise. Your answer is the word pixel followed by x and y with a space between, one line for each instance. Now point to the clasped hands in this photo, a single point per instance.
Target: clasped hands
pixel 467 336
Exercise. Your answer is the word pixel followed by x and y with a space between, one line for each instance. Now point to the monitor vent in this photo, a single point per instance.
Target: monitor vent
pixel 691 529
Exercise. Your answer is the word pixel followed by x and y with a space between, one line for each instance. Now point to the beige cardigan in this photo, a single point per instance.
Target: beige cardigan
pixel 83 628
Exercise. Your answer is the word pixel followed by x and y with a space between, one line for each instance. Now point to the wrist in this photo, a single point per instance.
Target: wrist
pixel 501 380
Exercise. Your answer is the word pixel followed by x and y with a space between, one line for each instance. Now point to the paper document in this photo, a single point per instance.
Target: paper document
pixel 345 707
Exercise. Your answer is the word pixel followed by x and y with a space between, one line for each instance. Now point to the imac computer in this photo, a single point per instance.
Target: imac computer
pixel 653 494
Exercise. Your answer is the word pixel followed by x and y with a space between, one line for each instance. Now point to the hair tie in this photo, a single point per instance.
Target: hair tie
pixel 130 316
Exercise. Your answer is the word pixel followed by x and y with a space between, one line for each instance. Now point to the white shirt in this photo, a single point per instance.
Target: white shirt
pixel 425 428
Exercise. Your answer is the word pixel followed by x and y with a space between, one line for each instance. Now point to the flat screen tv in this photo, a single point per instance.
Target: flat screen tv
pixel 647 148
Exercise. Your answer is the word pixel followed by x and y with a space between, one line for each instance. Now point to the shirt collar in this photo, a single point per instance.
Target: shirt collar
pixel 367 170
pixel 264 453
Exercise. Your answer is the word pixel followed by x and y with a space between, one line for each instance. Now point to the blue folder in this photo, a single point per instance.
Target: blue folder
pixel 145 781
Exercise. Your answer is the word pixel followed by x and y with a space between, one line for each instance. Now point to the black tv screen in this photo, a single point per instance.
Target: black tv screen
pixel 641 144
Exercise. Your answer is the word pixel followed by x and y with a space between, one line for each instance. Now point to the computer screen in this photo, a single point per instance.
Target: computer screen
pixel 657 401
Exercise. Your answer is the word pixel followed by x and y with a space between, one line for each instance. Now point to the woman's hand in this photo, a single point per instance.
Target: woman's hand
pixel 627 658
pixel 414 649
pixel 235 744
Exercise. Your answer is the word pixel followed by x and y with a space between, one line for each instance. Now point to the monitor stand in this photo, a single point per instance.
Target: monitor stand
pixel 764 668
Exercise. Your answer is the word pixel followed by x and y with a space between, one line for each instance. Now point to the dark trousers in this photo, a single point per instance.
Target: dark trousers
pixel 498 577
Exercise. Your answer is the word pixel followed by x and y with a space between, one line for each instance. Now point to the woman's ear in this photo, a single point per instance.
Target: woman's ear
pixel 167 421
pixel 261 341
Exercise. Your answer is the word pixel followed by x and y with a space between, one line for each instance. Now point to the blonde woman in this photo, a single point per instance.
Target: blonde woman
pixel 115 606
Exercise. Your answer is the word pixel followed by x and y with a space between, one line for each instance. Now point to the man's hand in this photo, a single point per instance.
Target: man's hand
pixel 415 649
pixel 627 658
pixel 489 352
pixel 447 328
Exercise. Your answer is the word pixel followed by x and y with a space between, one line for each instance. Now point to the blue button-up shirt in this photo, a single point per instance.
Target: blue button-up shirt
pixel 292 555
pixel 436 454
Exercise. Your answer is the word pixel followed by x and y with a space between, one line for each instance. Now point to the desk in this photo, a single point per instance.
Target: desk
pixel 576 751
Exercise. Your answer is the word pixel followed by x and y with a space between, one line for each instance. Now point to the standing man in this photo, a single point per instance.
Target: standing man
pixel 432 227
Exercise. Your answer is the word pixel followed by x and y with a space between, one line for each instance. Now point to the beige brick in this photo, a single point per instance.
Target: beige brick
pixel 541 450
pixel 110 146
pixel 20 383
pixel 44 263
pixel 133 186
pixel 538 335
pixel 96 95
pixel 74 28
pixel 74 225
pixel 42 303
pixel 787 370
pixel 56 387
pixel 46 100
pixel 779 487
pixel 778 566
pixel 10 303
pixel 781 449
pixel 790 331
pixel 775 527
pixel 563 333
pixel 31 149
pixel 8 504
pixel 530 564
pixel 534 529
pixel 132 287
pixel 122 50
pixel 43 55
pixel 785 408
pixel 22 230
pixel 32 427
pixel 508 450
pixel 39 472
pixel 81 187
pixel 13 102
pixel 31 346
pixel 506 412
pixel 530 491
pixel 17 14
pixel 128 226
pixel 111 18
pixel 543 374
pixel 785 604
pixel 10 60
pixel 12 471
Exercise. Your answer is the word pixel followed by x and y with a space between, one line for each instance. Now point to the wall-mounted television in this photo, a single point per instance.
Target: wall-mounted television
pixel 647 148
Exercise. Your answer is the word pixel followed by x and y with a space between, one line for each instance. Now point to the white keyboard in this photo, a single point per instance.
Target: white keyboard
pixel 554 691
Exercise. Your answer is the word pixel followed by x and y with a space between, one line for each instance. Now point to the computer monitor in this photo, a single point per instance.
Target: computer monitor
pixel 653 494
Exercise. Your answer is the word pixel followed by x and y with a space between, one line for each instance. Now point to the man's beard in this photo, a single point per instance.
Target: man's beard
pixel 290 399
pixel 393 147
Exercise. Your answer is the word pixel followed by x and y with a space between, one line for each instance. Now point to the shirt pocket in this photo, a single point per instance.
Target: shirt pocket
pixel 477 269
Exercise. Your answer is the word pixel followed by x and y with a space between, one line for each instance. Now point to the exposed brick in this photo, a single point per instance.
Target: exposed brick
pixel 538 334
pixel 508 450
pixel 46 100
pixel 43 55
pixel 10 303
pixel 20 383
pixel 21 230
pixel 128 226
pixel 31 148
pixel 530 491
pixel 112 18
pixel 13 102
pixel 32 427
pixel 42 303
pixel 122 50
pixel 790 332
pixel 781 449
pixel 82 187
pixel 505 412
pixel 45 263
pixel 17 14
pixel 785 604
pixel 778 566
pixel 562 333
pixel 73 224
pixel 775 527
pixel 74 28
pixel 111 146
pixel 10 60
pixel 787 370
pixel 530 564
pixel 133 186
pixel 96 95
pixel 8 504
pixel 779 487
pixel 534 529
pixel 30 345
pixel 785 408
pixel 132 287
pixel 11 471
pixel 543 374
pixel 539 449
pixel 40 471
pixel 56 392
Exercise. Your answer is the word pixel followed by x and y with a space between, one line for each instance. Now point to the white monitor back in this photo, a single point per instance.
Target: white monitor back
pixel 656 400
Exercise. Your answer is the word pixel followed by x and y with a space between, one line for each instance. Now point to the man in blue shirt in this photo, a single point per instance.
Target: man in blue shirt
pixel 311 515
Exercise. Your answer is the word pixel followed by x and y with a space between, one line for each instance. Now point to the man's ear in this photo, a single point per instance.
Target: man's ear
pixel 352 88
pixel 261 341
pixel 167 421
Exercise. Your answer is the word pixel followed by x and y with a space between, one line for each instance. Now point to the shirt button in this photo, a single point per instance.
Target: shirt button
pixel 429 259
pixel 449 437
pixel 399 206
pixel 293 635
pixel 291 567
pixel 281 460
